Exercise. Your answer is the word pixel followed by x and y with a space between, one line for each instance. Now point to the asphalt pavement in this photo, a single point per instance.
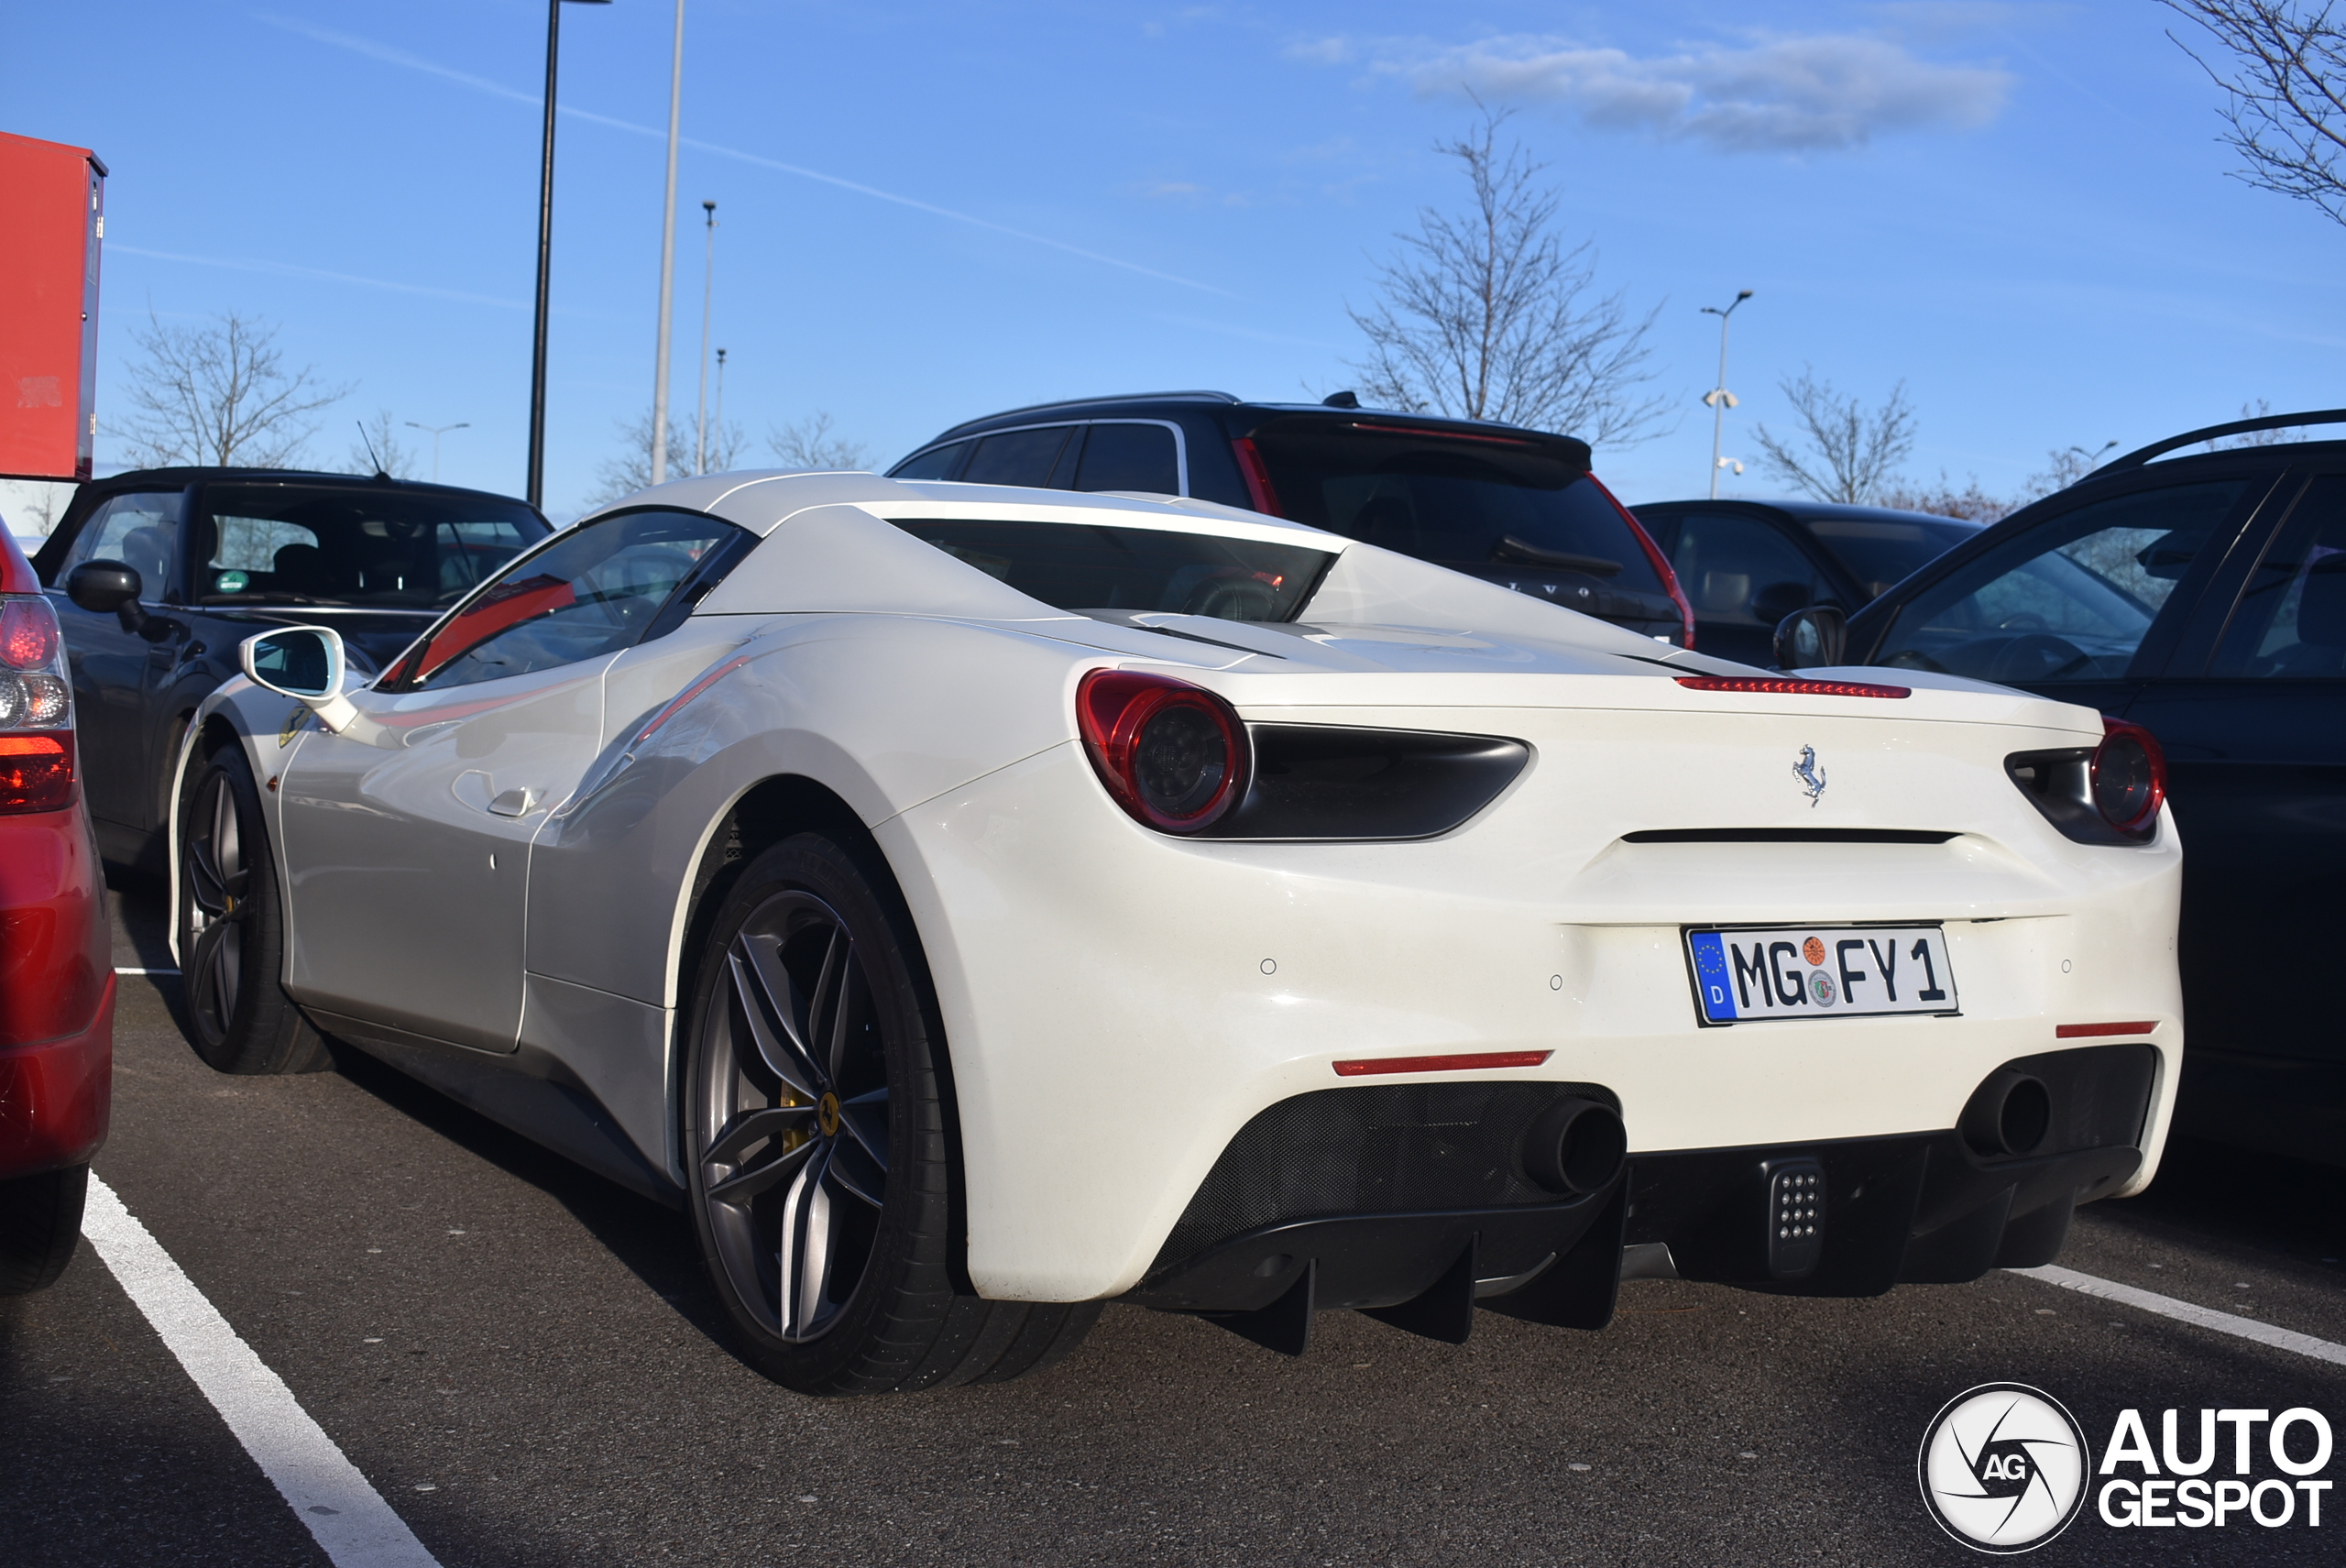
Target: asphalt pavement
pixel 525 1362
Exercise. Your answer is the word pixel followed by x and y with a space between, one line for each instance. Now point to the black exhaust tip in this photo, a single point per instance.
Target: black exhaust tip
pixel 1576 1147
pixel 2008 1115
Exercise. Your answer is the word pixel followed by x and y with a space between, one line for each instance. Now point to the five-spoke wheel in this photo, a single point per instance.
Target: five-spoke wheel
pixel 815 1106
pixel 215 887
pixel 231 930
pixel 794 1083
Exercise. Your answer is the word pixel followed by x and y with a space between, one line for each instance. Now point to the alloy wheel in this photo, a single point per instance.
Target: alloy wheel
pixel 794 1083
pixel 216 888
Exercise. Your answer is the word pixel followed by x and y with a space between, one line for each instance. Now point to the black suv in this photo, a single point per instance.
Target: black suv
pixel 1512 506
pixel 1745 565
pixel 158 574
pixel 2202 596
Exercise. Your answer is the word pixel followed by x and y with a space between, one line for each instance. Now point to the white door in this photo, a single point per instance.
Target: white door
pixel 406 837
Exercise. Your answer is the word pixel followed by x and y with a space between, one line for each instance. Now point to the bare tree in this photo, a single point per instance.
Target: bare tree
pixel 2260 409
pixel 2064 467
pixel 1943 499
pixel 1847 454
pixel 2285 85
pixel 631 469
pixel 1487 313
pixel 219 394
pixel 378 450
pixel 809 444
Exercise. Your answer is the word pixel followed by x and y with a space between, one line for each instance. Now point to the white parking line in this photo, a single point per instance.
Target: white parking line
pixel 346 1515
pixel 2184 1311
pixel 145 971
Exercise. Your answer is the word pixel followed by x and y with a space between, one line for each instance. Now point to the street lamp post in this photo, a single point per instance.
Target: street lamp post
pixel 667 261
pixel 537 489
pixel 436 432
pixel 707 289
pixel 1718 397
pixel 720 395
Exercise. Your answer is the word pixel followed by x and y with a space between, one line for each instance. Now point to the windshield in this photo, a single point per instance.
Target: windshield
pixel 1085 566
pixel 1469 503
pixel 1879 553
pixel 367 546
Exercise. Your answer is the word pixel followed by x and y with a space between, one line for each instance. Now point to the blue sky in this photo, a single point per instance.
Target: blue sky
pixel 930 212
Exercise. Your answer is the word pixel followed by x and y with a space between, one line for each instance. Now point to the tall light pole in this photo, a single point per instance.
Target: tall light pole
pixel 707 291
pixel 720 395
pixel 1718 397
pixel 537 488
pixel 437 430
pixel 667 261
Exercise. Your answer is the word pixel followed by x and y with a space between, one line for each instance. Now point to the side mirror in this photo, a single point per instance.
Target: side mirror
pixel 107 588
pixel 1808 638
pixel 306 663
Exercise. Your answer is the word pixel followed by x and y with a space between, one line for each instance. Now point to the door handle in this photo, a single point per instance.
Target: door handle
pixel 514 802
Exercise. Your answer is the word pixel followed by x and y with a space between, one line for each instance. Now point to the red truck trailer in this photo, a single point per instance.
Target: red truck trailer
pixel 52 208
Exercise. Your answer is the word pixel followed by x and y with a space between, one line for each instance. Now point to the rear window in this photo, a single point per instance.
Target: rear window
pixel 363 545
pixel 936 462
pixel 1455 501
pixel 1084 568
pixel 1879 554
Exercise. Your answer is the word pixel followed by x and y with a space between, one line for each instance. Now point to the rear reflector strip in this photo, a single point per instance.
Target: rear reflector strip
pixel 1375 1066
pixel 1788 686
pixel 2092 1031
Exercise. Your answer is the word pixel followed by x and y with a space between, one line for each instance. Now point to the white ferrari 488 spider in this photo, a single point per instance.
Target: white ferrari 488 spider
pixel 974 904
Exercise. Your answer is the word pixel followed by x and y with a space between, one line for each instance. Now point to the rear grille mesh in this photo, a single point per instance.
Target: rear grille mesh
pixel 1391 1149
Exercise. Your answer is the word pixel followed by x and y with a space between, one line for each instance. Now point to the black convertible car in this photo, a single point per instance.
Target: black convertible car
pixel 158 574
pixel 2202 596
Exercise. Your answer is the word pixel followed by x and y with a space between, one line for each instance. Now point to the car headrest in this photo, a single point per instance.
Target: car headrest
pixel 2321 608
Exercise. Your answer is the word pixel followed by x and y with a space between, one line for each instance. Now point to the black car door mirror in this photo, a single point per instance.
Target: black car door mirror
pixel 304 663
pixel 1808 638
pixel 102 588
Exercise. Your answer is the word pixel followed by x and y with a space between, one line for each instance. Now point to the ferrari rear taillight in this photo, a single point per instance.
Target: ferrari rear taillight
pixel 35 709
pixel 1174 756
pixel 2129 777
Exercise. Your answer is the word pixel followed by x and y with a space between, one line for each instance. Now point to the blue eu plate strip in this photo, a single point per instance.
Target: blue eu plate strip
pixel 1711 976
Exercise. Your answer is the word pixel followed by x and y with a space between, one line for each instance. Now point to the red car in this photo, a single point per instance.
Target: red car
pixel 56 955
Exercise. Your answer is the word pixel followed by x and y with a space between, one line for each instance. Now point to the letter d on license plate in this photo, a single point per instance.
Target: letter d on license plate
pixel 1817 971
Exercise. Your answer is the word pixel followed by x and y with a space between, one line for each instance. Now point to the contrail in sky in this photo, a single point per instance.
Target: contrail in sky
pixel 390 56
pixel 287 269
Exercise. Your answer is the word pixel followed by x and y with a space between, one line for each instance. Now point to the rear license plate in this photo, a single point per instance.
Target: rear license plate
pixel 1814 971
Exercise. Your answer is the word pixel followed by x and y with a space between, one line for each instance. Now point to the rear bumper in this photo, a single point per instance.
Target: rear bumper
pixel 56 1097
pixel 56 993
pixel 1920 1207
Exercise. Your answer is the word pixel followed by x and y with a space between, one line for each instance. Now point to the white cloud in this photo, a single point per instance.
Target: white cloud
pixel 1792 94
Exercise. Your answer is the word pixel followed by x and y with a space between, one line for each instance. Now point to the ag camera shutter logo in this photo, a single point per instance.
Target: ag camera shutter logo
pixel 2003 1468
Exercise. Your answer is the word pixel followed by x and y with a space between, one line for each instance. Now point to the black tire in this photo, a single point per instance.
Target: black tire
pixel 40 1223
pixel 836 1158
pixel 231 928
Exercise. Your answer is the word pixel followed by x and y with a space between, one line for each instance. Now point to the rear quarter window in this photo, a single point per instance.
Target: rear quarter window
pixel 1119 456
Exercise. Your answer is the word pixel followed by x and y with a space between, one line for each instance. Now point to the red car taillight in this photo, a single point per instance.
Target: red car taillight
pixel 1660 563
pixel 1174 756
pixel 35 709
pixel 2128 775
pixel 1260 492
